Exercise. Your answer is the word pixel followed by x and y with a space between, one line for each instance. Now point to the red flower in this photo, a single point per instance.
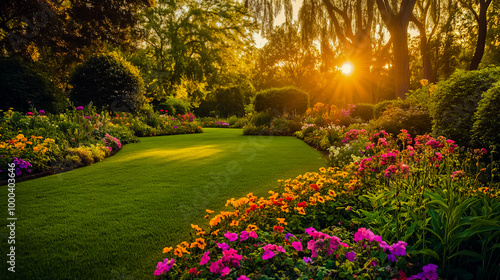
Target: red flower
pixel 314 187
pixel 193 270
pixel 302 204
pixel 278 228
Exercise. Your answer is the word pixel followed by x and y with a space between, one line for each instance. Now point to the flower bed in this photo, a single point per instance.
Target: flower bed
pixel 44 143
pixel 383 215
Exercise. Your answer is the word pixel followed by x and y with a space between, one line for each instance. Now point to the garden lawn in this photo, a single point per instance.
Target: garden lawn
pixel 112 219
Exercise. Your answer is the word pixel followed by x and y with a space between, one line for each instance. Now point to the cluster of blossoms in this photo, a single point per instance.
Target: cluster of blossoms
pixel 222 123
pixel 353 135
pixel 21 164
pixel 112 142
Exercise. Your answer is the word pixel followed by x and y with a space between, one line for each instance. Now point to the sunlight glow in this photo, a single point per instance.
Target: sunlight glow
pixel 347 68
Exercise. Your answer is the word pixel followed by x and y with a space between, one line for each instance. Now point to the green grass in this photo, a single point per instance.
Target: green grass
pixel 112 219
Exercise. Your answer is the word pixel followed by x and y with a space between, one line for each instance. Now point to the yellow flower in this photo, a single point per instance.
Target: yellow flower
pixel 167 249
pixel 322 169
pixel 19 136
pixel 29 142
pixel 321 199
pixel 185 244
pixel 215 221
pixel 234 223
pixel 35 149
pixel 332 193
pixel 281 221
pixel 201 243
pixel 301 210
pixel 252 228
pixel 284 208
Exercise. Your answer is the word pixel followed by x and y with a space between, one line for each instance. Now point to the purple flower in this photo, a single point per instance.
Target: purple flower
pixel 350 256
pixel 267 255
pixel 297 246
pixel 399 249
pixel 363 233
pixel 310 230
pixel 79 108
pixel 87 117
pixel 307 259
pixel 288 235
pixel 175 126
pixel 164 266
pixel 231 236
pixel 428 274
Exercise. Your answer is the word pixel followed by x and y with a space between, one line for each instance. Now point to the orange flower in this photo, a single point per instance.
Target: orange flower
pixel 252 228
pixel 215 232
pixel 167 249
pixel 196 227
pixel 281 221
pixel 209 211
pixel 301 210
pixel 234 223
pixel 332 193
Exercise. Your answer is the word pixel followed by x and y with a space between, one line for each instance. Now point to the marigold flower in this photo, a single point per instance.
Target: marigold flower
pixel 167 249
pixel 251 228
pixel 215 233
pixel 281 221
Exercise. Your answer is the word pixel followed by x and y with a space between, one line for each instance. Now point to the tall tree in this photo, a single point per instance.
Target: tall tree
pixel 396 20
pixel 482 24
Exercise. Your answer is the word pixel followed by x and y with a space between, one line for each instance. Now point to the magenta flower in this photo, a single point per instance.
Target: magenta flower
pixel 79 108
pixel 164 266
pixel 110 149
pixel 429 273
pixel 253 234
pixel 399 249
pixel 87 117
pixel 223 246
pixel 205 258
pixel 350 256
pixel 243 277
pixel 225 271
pixel 363 233
pixel 310 231
pixel 41 112
pixel 244 235
pixel 307 259
pixel 267 255
pixel 297 246
pixel 280 249
pixel 231 236
pixel 29 114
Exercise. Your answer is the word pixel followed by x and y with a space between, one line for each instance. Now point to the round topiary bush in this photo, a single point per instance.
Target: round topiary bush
pixel 22 88
pixel 364 111
pixel 486 128
pixel 108 81
pixel 282 100
pixel 455 102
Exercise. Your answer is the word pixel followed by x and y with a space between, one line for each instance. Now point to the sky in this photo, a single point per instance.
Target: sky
pixel 280 19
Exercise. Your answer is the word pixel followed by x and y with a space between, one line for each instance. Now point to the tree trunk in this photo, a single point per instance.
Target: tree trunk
pixel 481 37
pixel 401 66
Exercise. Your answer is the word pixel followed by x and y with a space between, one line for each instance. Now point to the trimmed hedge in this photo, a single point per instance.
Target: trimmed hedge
pixel 486 128
pixel 456 100
pixel 282 100
pixel 108 81
pixel 363 111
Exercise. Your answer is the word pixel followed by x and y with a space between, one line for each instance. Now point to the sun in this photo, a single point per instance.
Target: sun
pixel 347 68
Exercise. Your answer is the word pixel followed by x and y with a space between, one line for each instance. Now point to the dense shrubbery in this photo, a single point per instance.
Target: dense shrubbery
pixel 287 100
pixel 423 202
pixel 408 115
pixel 45 142
pixel 174 106
pixel 486 131
pixel 364 111
pixel 108 81
pixel 24 88
pixel 456 100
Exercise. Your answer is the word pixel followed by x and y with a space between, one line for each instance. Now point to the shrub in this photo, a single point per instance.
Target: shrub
pixel 379 108
pixel 23 88
pixel 108 81
pixel 363 111
pixel 262 119
pixel 282 100
pixel 485 130
pixel 456 100
pixel 175 106
pixel 413 118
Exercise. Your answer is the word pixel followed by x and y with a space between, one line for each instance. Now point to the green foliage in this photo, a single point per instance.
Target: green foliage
pixel 485 131
pixel 108 81
pixel 262 119
pixel 282 100
pixel 408 115
pixel 175 106
pixel 456 100
pixel 230 101
pixel 380 107
pixel 364 111
pixel 23 88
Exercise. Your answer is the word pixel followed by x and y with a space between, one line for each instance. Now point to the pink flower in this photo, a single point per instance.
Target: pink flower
pixel 205 258
pixel 41 112
pixel 29 114
pixel 244 235
pixel 223 246
pixel 267 255
pixel 231 236
pixel 243 277
pixel 110 149
pixel 363 233
pixel 79 108
pixel 297 245
pixel 225 271
pixel 350 256
pixel 253 234
pixel 164 266
pixel 310 230
pixel 280 249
